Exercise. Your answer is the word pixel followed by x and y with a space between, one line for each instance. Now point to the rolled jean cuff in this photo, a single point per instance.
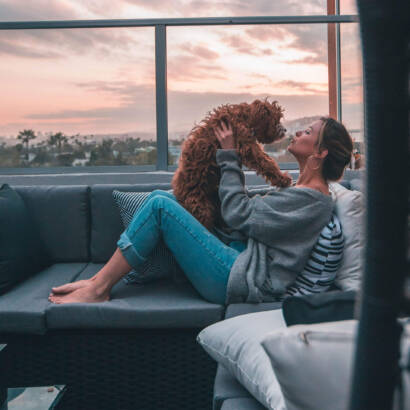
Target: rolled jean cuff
pixel 133 258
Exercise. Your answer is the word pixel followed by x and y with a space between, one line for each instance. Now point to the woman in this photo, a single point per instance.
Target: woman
pixel 271 233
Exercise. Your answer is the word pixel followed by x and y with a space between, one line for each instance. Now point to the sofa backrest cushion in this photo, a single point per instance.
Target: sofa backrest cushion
pixel 22 252
pixel 106 224
pixel 62 216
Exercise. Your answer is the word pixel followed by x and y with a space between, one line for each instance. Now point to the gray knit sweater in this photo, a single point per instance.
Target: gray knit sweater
pixel 281 226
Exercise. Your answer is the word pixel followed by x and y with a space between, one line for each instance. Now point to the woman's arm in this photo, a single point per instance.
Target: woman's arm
pixel 237 208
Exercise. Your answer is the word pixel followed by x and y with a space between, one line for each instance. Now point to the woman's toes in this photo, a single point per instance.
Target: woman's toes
pixel 62 289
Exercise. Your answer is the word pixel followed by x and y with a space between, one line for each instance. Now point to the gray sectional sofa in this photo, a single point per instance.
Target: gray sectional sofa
pixel 137 351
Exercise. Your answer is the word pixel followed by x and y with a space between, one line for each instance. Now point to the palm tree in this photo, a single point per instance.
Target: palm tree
pixel 57 139
pixel 25 137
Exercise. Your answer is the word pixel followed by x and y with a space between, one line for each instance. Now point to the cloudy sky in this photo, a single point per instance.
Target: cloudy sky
pixel 103 80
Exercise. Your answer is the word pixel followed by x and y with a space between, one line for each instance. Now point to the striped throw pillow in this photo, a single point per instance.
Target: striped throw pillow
pixel 320 270
pixel 161 262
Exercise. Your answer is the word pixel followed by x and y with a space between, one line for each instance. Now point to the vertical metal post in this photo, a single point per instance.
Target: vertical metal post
pixel 161 96
pixel 338 66
pixel 331 57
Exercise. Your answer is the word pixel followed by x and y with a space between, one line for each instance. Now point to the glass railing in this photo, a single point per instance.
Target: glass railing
pixel 112 95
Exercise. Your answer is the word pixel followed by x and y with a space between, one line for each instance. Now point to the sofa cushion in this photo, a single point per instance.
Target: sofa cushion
pixel 159 304
pixel 160 262
pixel 235 344
pixel 22 252
pixel 350 208
pixel 106 225
pixel 61 214
pixel 22 309
pixel 244 403
pixel 308 352
pixel 236 309
pixel 226 387
pixel 357 184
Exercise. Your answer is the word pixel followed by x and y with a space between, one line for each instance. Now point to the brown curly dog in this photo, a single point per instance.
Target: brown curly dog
pixel 196 181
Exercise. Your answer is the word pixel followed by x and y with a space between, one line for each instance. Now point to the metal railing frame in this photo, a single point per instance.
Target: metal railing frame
pixel 161 25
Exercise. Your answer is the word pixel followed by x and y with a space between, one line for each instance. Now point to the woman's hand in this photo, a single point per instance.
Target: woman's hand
pixel 225 136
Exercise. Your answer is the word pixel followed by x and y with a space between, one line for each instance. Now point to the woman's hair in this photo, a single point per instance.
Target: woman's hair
pixel 334 137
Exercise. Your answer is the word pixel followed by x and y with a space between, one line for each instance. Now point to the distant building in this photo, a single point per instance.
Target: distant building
pixel 80 162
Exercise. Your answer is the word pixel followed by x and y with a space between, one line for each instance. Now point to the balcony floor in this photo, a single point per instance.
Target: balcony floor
pixel 33 398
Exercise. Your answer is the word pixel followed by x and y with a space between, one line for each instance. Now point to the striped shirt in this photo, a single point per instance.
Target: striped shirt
pixel 320 270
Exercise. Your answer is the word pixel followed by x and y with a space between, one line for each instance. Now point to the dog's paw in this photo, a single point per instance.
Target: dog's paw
pixel 286 180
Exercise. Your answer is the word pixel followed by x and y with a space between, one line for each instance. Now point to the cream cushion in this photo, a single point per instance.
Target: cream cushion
pixel 350 208
pixel 314 363
pixel 236 344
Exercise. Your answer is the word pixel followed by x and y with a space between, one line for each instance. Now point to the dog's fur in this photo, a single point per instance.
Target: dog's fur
pixel 196 181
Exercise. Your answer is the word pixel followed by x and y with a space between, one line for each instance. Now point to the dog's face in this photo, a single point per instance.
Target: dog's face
pixel 265 120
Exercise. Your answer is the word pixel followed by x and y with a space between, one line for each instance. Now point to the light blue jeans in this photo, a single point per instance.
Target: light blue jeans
pixel 203 257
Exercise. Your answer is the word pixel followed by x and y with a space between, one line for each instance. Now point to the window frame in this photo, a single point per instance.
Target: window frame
pixel 160 26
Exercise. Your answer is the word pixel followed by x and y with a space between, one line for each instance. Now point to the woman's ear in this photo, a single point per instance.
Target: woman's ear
pixel 323 154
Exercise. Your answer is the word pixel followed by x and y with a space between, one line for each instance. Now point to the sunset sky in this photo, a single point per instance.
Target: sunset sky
pixel 103 80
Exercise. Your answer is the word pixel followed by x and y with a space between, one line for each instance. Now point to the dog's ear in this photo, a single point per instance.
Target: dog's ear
pixel 264 120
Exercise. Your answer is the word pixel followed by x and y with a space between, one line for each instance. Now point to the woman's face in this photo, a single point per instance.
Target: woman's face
pixel 303 143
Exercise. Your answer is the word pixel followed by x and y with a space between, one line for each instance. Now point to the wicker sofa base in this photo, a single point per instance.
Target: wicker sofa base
pixel 113 369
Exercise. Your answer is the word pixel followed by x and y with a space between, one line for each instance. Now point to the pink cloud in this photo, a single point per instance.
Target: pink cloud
pixel 302 87
pixel 189 68
pixel 199 51
pixel 241 45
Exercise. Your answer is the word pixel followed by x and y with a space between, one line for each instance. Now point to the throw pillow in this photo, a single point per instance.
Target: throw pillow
pixel 236 344
pixel 161 262
pixel 313 363
pixel 22 252
pixel 349 207
pixel 324 261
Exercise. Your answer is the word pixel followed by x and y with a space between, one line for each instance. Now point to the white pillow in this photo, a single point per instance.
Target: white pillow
pixel 314 363
pixel 350 208
pixel 235 343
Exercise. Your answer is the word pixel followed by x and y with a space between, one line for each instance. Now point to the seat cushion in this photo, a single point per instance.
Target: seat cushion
pixel 236 309
pixel 159 304
pixel 226 387
pixel 22 309
pixel 242 404
pixel 61 214
pixel 106 224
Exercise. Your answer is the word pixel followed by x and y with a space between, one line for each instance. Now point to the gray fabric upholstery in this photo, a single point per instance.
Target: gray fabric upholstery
pixel 22 309
pixel 160 304
pixel 242 404
pixel 357 184
pixel 226 387
pixel 106 225
pixel 345 183
pixel 237 309
pixel 61 214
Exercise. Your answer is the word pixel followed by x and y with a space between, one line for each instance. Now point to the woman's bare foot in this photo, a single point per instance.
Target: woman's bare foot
pixel 85 294
pixel 70 287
